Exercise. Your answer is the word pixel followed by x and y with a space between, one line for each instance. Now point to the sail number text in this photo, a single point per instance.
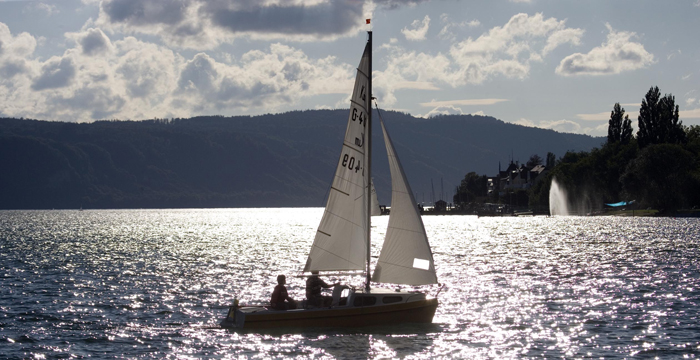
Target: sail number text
pixel 350 163
pixel 358 116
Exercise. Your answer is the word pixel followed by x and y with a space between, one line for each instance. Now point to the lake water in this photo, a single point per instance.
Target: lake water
pixel 155 284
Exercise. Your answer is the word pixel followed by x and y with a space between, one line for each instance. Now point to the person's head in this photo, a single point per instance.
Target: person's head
pixel 281 279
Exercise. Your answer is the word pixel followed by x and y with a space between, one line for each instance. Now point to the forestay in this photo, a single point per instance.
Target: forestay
pixel 341 240
pixel 405 257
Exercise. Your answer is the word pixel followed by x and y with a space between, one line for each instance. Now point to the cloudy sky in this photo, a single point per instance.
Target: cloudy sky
pixel 555 64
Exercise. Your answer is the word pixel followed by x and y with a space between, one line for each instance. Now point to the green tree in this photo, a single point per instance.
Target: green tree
pixel 551 160
pixel 534 161
pixel 619 126
pixel 661 176
pixel 674 133
pixel 658 120
pixel 472 187
pixel 649 122
pixel 693 139
pixel 626 134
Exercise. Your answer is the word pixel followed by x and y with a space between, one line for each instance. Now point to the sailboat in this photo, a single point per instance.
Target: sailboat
pixel 342 241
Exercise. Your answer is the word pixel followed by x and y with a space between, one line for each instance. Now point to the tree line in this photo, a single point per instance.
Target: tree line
pixel 658 167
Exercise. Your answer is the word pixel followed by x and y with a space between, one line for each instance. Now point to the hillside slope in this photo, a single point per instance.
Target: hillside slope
pixel 262 161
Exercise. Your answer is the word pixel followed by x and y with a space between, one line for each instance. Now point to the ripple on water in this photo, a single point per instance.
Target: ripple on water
pixel 154 283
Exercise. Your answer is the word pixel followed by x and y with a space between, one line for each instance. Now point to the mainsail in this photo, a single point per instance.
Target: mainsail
pixel 341 240
pixel 405 257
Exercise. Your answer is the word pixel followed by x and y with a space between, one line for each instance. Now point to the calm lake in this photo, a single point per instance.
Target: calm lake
pixel 156 283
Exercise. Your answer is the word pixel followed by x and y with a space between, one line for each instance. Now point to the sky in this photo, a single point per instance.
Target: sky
pixel 555 64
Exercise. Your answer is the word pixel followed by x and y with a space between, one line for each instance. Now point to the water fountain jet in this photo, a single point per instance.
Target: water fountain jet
pixel 558 204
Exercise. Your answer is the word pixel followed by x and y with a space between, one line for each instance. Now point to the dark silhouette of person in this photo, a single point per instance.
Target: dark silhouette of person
pixel 314 285
pixel 280 298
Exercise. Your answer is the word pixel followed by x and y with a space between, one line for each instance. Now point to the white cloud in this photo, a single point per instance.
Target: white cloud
pixel 566 126
pixel 57 72
pixel 200 24
pixel 508 50
pixel 176 22
pixel 271 79
pixel 561 126
pixel 690 114
pixel 691 100
pixel 594 117
pixel 561 37
pixel 505 51
pixel 147 71
pixel 18 46
pixel 97 78
pixel 600 130
pixel 406 68
pixel 92 41
pixel 605 116
pixel 449 28
pixel 467 102
pixel 524 122
pixel 444 110
pixel 133 80
pixel 17 68
pixel 418 29
pixel 40 7
pixel 673 54
pixel 617 54
pixel 416 85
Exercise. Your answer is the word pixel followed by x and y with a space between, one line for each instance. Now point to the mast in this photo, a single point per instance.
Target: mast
pixel 369 165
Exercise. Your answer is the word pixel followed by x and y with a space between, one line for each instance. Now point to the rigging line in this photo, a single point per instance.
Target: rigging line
pixel 328 190
pixel 340 191
pixel 330 184
pixel 376 105
pixel 353 147
pixel 404 266
pixel 346 273
pixel 362 72
pixel 347 180
pixel 406 230
pixel 358 104
pixel 342 218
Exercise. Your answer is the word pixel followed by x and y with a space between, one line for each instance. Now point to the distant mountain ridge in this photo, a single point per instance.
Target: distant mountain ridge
pixel 274 160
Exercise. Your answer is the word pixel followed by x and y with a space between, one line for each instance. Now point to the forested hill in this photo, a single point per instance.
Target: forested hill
pixel 260 161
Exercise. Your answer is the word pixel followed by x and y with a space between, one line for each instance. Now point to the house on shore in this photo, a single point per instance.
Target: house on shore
pixel 515 177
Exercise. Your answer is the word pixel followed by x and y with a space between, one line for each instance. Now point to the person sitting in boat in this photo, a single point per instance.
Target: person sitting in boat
pixel 280 298
pixel 314 285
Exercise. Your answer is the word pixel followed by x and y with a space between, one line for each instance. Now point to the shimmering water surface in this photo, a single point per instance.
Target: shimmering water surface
pixel 155 284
